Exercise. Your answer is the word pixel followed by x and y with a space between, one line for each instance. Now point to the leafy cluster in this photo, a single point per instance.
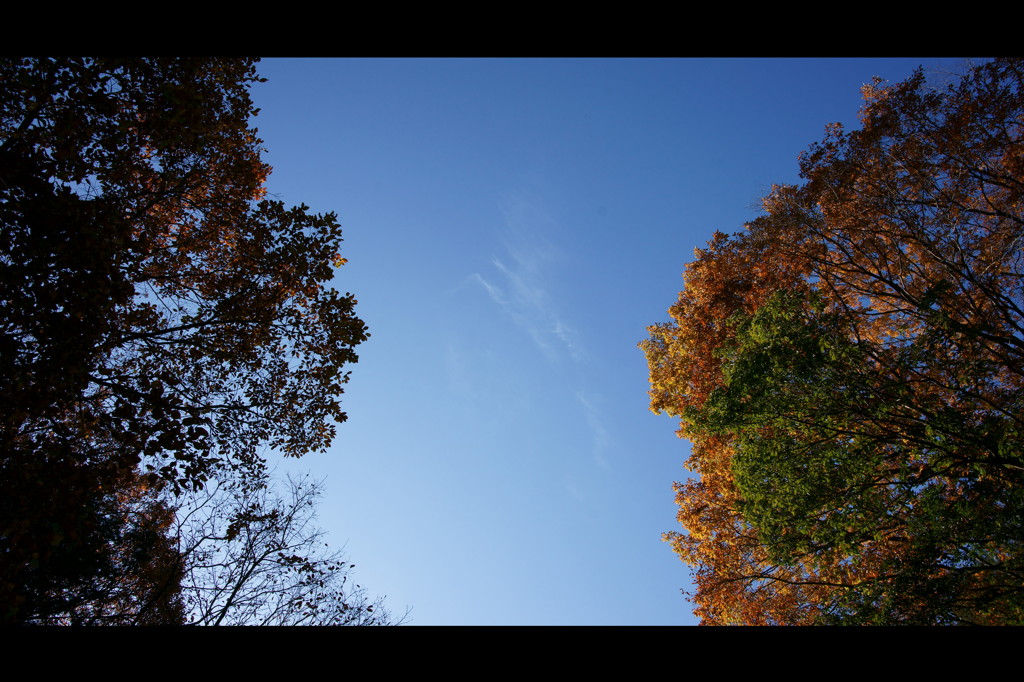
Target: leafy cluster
pixel 849 371
pixel 161 322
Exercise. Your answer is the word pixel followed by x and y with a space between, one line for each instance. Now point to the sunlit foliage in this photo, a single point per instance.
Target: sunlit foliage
pixel 849 371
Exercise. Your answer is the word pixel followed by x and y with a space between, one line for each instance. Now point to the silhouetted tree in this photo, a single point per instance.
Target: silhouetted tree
pixel 160 321
pixel 252 555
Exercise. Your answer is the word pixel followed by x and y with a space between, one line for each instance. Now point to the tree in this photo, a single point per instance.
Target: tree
pixel 117 566
pixel 866 415
pixel 251 556
pixel 736 581
pixel 161 320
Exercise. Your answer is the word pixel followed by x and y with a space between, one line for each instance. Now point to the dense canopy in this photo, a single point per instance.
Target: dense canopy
pixel 161 322
pixel 849 371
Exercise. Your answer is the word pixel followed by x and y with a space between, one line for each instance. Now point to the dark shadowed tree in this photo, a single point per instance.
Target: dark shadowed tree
pixel 254 555
pixel 160 320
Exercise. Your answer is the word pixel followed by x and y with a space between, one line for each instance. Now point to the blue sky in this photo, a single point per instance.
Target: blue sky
pixel 512 227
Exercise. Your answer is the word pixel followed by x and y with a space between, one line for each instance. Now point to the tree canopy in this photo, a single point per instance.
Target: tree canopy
pixel 161 322
pixel 849 371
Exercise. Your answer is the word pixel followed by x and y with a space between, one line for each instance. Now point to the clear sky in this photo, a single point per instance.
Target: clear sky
pixel 512 227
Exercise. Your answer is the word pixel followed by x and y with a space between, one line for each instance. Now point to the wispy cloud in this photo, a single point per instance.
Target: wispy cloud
pixel 574 490
pixel 599 434
pixel 521 280
pixel 493 291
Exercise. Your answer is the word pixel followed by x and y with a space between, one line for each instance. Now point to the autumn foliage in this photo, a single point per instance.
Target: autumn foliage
pixel 849 369
pixel 162 324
